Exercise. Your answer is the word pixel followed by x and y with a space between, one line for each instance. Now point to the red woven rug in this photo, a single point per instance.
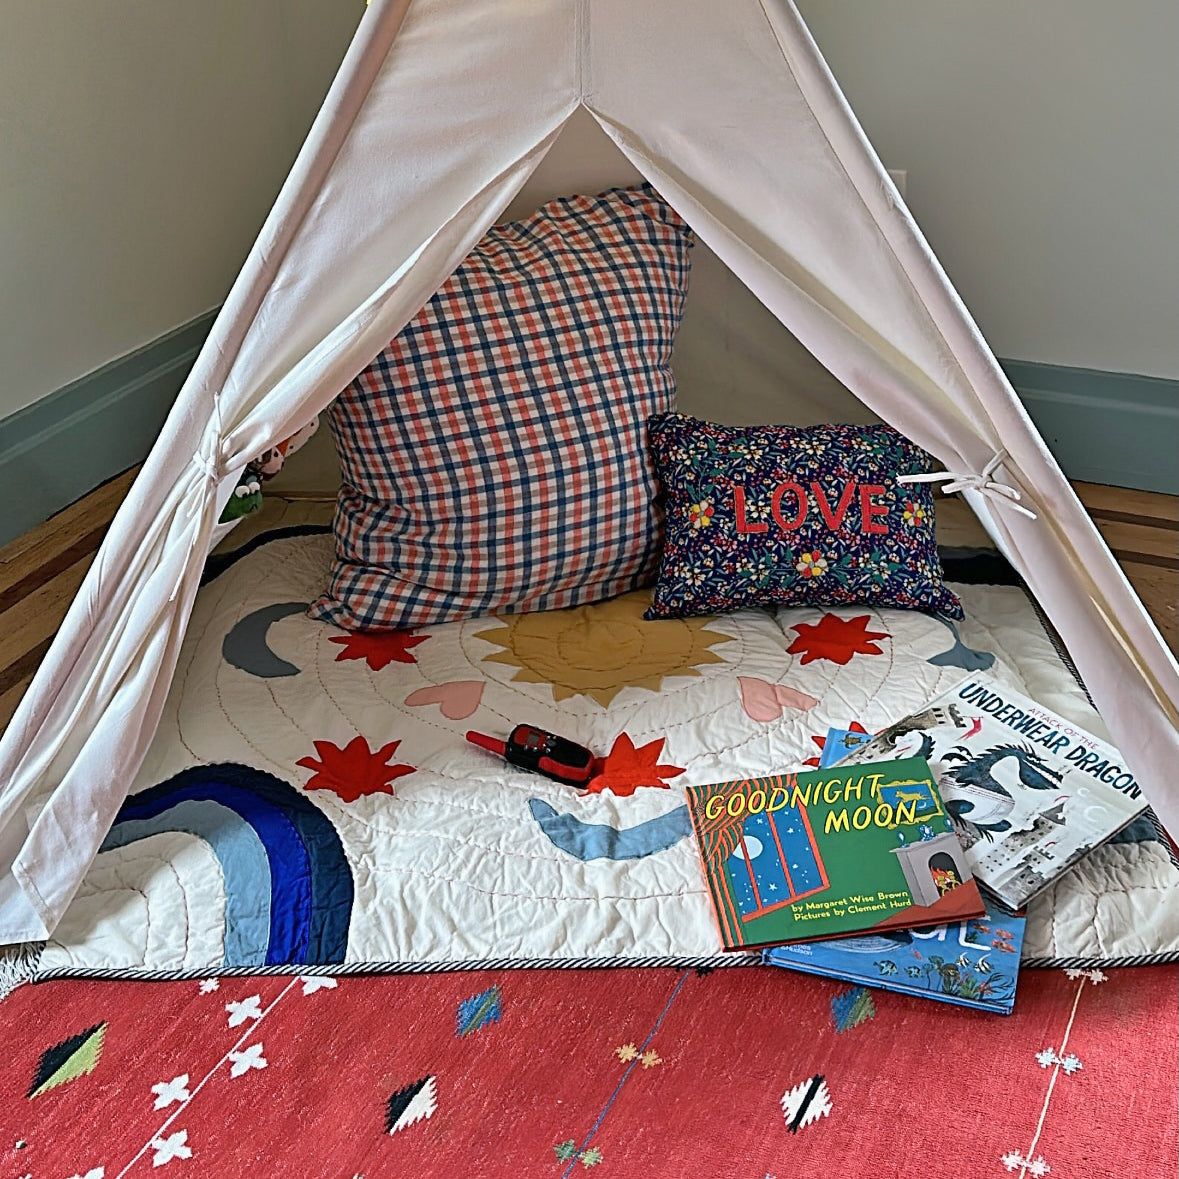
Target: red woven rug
pixel 652 1073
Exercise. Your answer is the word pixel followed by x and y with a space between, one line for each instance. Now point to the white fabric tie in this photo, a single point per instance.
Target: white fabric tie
pixel 982 483
pixel 207 467
pixel 211 469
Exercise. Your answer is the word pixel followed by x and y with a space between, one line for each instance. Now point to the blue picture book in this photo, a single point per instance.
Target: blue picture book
pixel 972 963
pixel 839 743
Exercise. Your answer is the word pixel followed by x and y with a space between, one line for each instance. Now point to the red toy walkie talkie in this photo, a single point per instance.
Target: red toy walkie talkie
pixel 544 753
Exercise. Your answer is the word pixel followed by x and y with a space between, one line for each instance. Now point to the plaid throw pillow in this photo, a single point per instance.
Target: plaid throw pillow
pixel 494 455
pixel 793 516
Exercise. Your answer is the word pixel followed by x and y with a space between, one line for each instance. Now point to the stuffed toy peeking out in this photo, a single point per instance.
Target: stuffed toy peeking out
pixel 247 495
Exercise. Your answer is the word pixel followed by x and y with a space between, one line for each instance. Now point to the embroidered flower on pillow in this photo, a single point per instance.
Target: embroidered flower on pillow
pixel 811 564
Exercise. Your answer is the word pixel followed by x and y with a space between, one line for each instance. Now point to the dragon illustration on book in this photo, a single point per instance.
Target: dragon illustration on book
pixel 973 786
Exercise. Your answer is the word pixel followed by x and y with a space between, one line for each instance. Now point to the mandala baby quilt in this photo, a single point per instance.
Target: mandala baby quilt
pixel 310 798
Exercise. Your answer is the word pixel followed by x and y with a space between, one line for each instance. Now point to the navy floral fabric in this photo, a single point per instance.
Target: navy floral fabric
pixel 793 515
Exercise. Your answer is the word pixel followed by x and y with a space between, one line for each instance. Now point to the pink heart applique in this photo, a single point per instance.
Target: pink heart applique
pixel 764 701
pixel 457 699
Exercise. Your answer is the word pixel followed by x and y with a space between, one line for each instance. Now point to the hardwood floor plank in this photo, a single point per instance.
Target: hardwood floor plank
pixel 25 556
pixel 1137 542
pixel 10 699
pixel 33 621
pixel 1128 503
pixel 87 546
pixel 21 670
pixel 1159 590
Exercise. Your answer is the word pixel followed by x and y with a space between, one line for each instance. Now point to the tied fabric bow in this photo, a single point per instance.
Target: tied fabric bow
pixel 982 482
pixel 210 468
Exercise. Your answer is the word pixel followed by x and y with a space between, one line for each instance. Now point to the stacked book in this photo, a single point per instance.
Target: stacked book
pixel 869 867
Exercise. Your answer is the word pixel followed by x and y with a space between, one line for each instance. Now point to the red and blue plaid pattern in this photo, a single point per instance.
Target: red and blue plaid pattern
pixel 495 454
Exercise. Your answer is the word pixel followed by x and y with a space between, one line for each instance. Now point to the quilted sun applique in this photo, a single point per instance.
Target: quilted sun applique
pixel 354 771
pixel 600 650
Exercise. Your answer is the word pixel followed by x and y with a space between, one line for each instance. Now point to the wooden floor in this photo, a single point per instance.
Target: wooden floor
pixel 40 572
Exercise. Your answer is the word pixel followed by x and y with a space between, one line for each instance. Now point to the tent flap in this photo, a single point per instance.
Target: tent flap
pixel 441 110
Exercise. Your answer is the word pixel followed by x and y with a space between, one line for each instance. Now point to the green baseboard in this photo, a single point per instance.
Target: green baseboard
pixel 1114 428
pixel 59 448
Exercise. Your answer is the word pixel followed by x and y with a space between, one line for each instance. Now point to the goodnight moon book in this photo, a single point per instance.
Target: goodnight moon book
pixel 830 853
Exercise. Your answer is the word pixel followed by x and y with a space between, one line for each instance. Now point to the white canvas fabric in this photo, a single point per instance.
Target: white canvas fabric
pixel 441 110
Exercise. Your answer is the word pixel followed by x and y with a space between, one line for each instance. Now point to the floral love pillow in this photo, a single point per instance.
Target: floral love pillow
pixel 792 516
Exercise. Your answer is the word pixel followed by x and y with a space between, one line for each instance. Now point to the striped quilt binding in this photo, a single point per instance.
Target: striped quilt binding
pixel 18 964
pixel 706 963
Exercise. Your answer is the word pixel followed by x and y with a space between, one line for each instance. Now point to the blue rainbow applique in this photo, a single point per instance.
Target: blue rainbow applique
pixel 288 886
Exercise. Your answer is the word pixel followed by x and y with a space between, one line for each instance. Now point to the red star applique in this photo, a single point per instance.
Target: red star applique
pixel 379 647
pixel 835 639
pixel 624 769
pixel 814 761
pixel 354 771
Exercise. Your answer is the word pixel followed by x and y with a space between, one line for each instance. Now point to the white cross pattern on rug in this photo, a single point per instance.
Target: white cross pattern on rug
pixel 244 1061
pixel 317 982
pixel 1037 1166
pixel 168 1091
pixel 250 1008
pixel 1027 1162
pixel 175 1146
pixel 1048 1056
pixel 177 1090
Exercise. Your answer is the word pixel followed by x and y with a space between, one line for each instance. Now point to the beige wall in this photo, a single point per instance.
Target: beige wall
pixel 1041 142
pixel 730 351
pixel 142 143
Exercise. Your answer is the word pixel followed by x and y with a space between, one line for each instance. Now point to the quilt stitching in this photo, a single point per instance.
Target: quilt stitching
pixel 598 898
pixel 456 827
pixel 131 888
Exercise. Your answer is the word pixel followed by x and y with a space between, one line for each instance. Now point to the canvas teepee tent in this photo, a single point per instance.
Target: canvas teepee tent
pixel 440 112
